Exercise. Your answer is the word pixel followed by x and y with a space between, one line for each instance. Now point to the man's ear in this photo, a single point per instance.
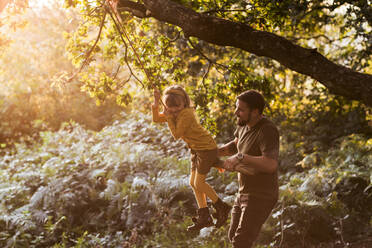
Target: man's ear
pixel 255 112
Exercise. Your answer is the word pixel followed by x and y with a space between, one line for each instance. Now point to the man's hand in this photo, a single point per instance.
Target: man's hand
pixel 230 163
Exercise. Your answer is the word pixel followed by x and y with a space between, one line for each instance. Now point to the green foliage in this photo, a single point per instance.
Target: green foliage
pixel 214 75
pixel 63 184
pixel 326 195
pixel 307 117
pixel 127 184
pixel 34 92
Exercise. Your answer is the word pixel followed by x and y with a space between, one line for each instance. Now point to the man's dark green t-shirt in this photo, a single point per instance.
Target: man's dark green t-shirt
pixel 260 140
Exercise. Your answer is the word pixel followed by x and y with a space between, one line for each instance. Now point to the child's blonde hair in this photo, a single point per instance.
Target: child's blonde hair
pixel 175 96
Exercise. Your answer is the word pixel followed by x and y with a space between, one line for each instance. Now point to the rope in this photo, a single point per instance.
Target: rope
pixel 121 29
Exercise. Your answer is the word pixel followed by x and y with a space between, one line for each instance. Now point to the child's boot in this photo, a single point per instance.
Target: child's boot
pixel 222 212
pixel 203 219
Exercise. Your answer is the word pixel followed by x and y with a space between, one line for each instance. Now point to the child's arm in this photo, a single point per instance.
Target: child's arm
pixel 156 116
pixel 228 149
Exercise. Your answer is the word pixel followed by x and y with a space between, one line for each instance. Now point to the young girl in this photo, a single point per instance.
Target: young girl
pixel 183 124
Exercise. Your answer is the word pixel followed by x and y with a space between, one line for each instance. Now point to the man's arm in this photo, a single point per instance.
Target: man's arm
pixel 268 161
pixel 228 149
pixel 259 163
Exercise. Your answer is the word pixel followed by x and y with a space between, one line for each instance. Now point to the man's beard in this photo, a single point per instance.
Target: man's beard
pixel 243 122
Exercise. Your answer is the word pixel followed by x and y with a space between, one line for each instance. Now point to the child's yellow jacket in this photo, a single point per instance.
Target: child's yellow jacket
pixel 186 127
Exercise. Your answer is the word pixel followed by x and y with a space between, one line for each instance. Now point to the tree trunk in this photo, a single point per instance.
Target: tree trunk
pixel 338 79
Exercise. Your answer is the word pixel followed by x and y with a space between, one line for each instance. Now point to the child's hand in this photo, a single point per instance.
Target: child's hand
pixel 157 96
pixel 230 163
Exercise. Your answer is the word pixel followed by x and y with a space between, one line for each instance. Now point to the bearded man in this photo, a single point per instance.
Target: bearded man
pixel 254 154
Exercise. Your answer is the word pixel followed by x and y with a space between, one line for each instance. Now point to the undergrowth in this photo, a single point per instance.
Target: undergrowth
pixel 127 186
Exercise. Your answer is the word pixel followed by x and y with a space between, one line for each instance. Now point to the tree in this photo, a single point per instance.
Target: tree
pixel 266 28
pixel 253 27
pixel 338 79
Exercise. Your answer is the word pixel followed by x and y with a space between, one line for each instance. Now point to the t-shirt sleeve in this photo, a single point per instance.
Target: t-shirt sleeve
pixel 269 142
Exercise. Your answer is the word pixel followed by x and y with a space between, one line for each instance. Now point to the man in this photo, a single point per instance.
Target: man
pixel 254 151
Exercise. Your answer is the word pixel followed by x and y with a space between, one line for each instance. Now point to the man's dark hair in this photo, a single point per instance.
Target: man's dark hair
pixel 253 99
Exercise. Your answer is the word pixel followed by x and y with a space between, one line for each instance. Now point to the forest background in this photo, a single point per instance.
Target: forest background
pixel 81 165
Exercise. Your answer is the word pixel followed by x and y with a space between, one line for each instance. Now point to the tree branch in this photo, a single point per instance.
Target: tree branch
pixel 87 55
pixel 212 11
pixel 137 9
pixel 118 28
pixel 340 80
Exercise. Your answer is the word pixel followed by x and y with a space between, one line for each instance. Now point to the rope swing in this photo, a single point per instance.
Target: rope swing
pixel 112 10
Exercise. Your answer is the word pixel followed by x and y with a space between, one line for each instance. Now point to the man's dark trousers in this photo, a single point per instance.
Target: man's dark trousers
pixel 247 217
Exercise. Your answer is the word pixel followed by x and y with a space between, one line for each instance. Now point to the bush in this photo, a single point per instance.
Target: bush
pixel 127 185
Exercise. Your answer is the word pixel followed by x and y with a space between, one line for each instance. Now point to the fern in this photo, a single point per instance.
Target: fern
pixel 81 187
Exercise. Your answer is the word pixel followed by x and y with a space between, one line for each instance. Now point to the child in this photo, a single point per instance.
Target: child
pixel 183 124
